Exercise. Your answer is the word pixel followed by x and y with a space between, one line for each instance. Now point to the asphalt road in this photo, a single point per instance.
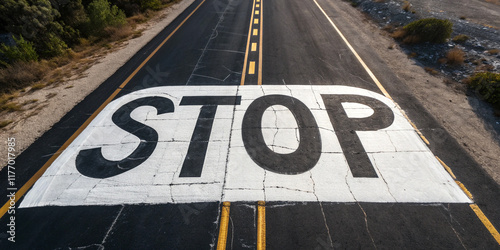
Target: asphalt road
pixel 341 166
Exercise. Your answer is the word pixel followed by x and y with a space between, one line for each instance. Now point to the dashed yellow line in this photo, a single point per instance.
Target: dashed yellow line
pixel 256 21
pixel 255 32
pixel 259 77
pixel 224 222
pixel 22 191
pixel 251 68
pixel 261 225
pixel 243 73
pixel 254 47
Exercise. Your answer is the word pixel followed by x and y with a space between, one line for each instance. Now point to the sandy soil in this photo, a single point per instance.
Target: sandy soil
pixel 54 102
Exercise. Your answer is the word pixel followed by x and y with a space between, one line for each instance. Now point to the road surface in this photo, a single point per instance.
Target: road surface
pixel 250 124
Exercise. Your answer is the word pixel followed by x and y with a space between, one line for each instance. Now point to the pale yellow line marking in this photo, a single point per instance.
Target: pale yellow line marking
pixel 255 32
pixel 259 77
pixel 224 221
pixel 486 222
pixel 256 21
pixel 22 191
pixel 243 73
pixel 251 68
pixel 254 46
pixel 257 5
pixel 261 226
pixel 447 168
pixel 257 12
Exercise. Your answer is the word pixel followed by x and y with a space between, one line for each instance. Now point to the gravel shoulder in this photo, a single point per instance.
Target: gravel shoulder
pixel 54 102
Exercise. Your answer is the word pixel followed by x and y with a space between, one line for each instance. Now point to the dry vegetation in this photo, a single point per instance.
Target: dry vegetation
pixel 455 57
pixel 23 77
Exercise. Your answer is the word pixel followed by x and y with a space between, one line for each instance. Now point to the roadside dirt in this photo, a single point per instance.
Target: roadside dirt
pixel 468 119
pixel 44 107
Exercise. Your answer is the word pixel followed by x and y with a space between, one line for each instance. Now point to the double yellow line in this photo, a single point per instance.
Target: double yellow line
pixel 261 226
pixel 253 56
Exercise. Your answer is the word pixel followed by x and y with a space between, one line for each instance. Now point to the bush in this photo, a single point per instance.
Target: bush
pixel 23 51
pixel 487 84
pixel 102 15
pixel 428 30
pixel 151 4
pixel 54 46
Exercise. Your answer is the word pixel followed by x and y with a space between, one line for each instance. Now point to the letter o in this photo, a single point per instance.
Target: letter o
pixel 303 158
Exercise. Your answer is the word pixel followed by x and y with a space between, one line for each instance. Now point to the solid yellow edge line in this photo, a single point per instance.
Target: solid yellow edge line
pixel 243 74
pixel 261 225
pixel 486 222
pixel 159 46
pixel 22 191
pixel 446 167
pixel 259 77
pixel 474 207
pixel 224 221
pixel 462 186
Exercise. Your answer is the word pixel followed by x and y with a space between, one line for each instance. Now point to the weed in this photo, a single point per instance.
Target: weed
pixel 460 38
pixel 455 56
pixel 11 107
pixel 5 123
pixel 442 60
pixel 406 6
pixel 50 95
pixel 494 51
pixel 431 71
pixel 30 102
pixel 21 74
pixel 38 86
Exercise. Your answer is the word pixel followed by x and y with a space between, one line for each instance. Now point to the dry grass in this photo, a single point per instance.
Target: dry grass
pixel 5 123
pixel 38 86
pixel 406 6
pixel 494 51
pixel 118 33
pixel 21 74
pixel 431 71
pixel 455 57
pixel 11 107
pixel 460 38
pixel 398 33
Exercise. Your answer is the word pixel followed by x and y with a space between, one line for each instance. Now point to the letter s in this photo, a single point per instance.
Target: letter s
pixel 91 162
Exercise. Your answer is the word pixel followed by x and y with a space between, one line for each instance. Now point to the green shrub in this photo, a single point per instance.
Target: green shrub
pixel 102 14
pixel 487 84
pixel 429 30
pixel 54 46
pixel 151 4
pixel 23 51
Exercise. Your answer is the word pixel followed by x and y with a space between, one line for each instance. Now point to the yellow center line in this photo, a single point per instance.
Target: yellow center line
pixel 255 32
pixel 224 221
pixel 259 77
pixel 243 73
pixel 22 191
pixel 251 68
pixel 254 46
pixel 261 225
pixel 257 12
